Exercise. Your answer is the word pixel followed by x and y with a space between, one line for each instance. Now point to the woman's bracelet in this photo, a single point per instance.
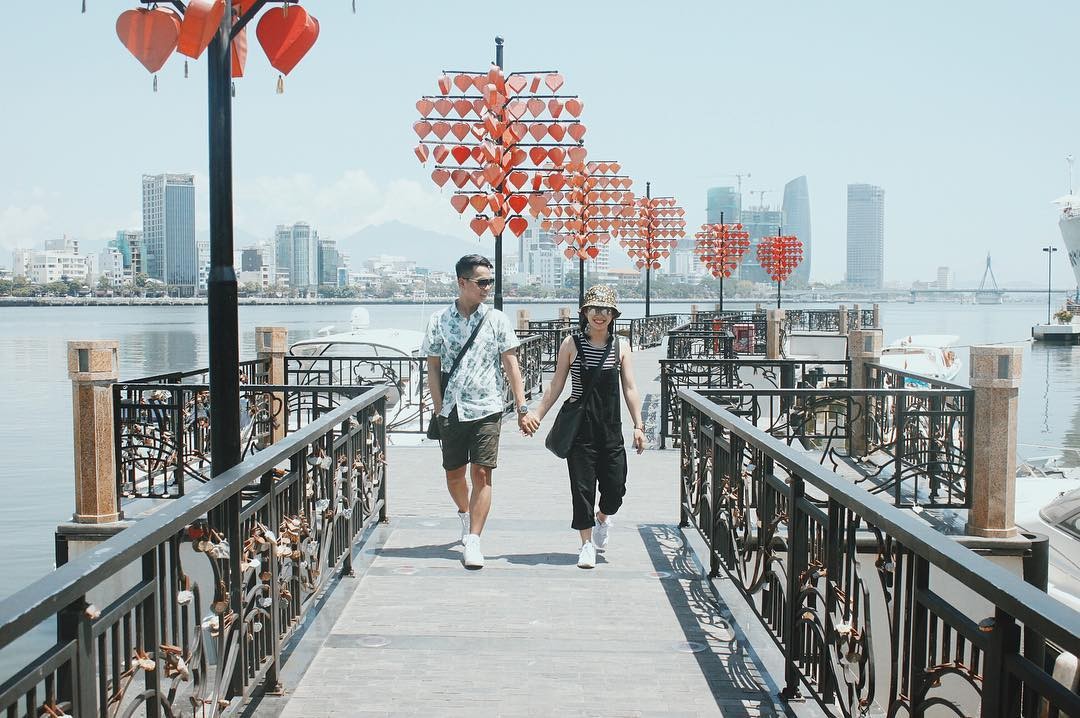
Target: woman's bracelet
pixel 639 428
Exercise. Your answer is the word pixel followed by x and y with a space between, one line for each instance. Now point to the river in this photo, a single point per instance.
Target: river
pixel 36 463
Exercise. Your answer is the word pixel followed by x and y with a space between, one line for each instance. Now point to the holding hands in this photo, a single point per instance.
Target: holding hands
pixel 528 423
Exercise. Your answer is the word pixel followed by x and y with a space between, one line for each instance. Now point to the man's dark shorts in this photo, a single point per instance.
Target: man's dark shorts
pixel 470 442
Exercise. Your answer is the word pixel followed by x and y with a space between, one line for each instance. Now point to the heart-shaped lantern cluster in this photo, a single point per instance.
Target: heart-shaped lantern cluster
pixel 779 255
pixel 286 33
pixel 721 247
pixel 652 231
pixel 502 141
pixel 591 205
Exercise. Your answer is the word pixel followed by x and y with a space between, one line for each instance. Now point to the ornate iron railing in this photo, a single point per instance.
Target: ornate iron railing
pixel 645 332
pixel 749 330
pixel 826 320
pixel 747 373
pixel 879 376
pixel 873 610
pixel 689 344
pixel 186 612
pixel 162 430
pixel 550 341
pixel 915 443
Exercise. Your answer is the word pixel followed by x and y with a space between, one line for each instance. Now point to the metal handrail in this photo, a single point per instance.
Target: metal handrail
pixel 29 606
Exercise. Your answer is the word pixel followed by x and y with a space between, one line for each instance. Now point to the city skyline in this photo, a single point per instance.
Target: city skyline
pixel 946 171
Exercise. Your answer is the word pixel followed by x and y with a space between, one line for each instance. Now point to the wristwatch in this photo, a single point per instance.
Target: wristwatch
pixel 523 409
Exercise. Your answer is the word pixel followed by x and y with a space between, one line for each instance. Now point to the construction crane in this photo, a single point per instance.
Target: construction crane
pixel 761 196
pixel 738 179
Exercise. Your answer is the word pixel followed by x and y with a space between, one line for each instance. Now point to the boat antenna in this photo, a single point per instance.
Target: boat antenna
pixel 1069 164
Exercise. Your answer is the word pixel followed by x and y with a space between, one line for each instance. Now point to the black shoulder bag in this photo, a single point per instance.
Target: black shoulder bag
pixel 564 429
pixel 444 379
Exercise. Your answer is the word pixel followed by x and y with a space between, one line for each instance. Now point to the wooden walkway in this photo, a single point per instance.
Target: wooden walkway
pixel 414 633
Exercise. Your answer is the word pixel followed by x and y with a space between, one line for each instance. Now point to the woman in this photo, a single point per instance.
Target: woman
pixel 598 457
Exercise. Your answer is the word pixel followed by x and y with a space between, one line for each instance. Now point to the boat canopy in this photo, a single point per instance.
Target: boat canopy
pixel 362 343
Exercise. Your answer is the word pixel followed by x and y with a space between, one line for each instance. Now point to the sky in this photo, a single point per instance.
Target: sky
pixel 962 111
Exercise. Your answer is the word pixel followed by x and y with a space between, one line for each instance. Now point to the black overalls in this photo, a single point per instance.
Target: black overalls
pixel 598 456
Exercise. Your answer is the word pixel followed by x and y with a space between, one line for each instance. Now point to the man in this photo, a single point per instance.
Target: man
pixel 470 412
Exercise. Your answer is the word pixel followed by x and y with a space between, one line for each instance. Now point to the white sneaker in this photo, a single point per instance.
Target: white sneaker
pixel 587 557
pixel 473 557
pixel 465 524
pixel 600 534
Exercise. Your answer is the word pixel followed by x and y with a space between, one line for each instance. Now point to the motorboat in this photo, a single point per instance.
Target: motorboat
pixel 1051 506
pixel 365 356
pixel 360 340
pixel 927 354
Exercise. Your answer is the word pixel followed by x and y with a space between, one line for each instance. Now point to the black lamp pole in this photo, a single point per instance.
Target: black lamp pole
pixel 221 310
pixel 721 262
pixel 498 237
pixel 648 248
pixel 1049 255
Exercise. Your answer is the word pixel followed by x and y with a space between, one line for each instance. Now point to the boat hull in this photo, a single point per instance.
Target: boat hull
pixel 1070 235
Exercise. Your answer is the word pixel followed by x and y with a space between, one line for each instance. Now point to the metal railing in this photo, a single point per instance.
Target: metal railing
pixel 740 372
pixel 551 338
pixel 873 610
pixel 826 320
pixel 691 344
pixel 645 332
pixel 161 431
pixel 916 442
pixel 749 330
pixel 187 610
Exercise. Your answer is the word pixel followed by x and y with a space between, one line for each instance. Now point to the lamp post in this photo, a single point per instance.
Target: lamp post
pixel 1049 256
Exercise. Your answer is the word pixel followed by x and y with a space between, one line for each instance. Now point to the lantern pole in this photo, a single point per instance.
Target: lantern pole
pixel 498 237
pixel 648 242
pixel 221 302
pixel 1049 277
pixel 722 267
pixel 778 234
pixel 581 281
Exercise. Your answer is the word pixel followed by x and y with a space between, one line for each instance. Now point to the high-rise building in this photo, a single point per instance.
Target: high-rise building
pixel 169 252
pixel 202 251
pixel 944 278
pixel 797 222
pixel 722 199
pixel 66 244
pixel 541 257
pixel 297 250
pixel 329 262
pixel 865 236
pixel 758 222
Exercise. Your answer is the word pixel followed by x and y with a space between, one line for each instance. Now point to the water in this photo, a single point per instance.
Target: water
pixel 36 438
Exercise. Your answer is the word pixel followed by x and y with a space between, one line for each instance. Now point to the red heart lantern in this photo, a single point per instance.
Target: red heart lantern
pixel 286 34
pixel 202 19
pixel 149 35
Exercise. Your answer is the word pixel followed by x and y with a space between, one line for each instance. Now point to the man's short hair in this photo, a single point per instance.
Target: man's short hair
pixel 466 265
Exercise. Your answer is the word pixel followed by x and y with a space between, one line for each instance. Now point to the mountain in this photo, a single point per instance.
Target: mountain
pixel 432 250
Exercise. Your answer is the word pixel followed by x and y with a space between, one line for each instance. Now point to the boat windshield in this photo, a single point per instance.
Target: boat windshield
pixel 347 349
pixel 1064 512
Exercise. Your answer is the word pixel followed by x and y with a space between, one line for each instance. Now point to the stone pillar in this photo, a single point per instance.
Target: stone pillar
pixel 523 319
pixel 93 367
pixel 995 377
pixel 693 312
pixel 877 316
pixel 857 324
pixel 270 344
pixel 864 347
pixel 841 321
pixel 566 314
pixel 774 334
pixel 758 308
pixel 716 307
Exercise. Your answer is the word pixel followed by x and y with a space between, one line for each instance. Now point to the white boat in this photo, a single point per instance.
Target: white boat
pixel 1051 506
pixel 1069 223
pixel 925 354
pixel 365 356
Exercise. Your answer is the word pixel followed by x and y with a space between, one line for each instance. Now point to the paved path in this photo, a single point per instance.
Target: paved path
pixel 531 634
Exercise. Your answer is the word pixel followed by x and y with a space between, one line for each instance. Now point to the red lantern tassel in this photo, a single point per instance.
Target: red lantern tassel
pixel 281 84
pixel 155 83
pixel 185 69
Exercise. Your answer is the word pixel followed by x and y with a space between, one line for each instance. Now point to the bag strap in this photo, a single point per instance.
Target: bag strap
pixel 595 372
pixel 464 349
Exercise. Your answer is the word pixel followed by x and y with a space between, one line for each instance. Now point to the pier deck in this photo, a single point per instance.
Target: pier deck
pixel 531 634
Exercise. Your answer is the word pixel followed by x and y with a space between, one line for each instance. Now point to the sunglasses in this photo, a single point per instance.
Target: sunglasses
pixel 602 311
pixel 482 283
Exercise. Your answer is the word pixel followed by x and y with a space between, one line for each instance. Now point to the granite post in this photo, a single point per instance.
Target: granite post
pixel 774 334
pixel 523 319
pixel 841 322
pixel 93 367
pixel 864 347
pixel 270 346
pixel 995 377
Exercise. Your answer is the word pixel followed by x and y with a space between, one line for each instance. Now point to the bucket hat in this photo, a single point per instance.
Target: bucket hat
pixel 601 295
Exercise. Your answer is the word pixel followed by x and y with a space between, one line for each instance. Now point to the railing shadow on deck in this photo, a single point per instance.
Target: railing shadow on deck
pixel 872 609
pixel 186 611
